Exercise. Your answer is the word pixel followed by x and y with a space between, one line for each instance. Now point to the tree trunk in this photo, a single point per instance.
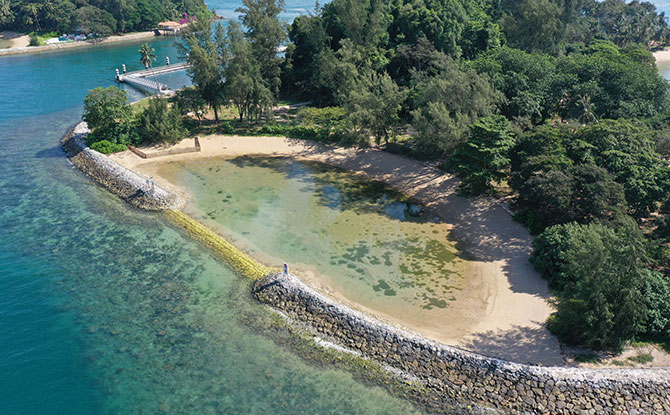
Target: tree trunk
pixel 216 113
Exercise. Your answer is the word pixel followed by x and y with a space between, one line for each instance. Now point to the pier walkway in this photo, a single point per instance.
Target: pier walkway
pixel 138 78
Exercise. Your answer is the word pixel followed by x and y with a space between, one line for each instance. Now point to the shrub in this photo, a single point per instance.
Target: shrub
pixel 107 147
pixel 226 128
pixel 34 40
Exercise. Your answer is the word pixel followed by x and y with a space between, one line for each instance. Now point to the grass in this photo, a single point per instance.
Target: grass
pixel 43 36
pixel 586 358
pixel 242 263
pixel 661 342
pixel 642 358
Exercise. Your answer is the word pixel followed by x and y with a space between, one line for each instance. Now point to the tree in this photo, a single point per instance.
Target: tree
pixel 159 123
pixel 244 85
pixel 600 275
pixel 627 151
pixel 484 158
pixel 446 104
pixel 94 21
pixel 535 26
pixel 108 115
pixel 205 69
pixel 266 33
pixel 7 15
pixel 442 22
pixel 189 101
pixel 309 40
pixel 147 59
pixel 525 80
pixel 373 107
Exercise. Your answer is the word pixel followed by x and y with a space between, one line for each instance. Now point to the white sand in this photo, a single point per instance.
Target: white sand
pixel 505 317
pixel 662 56
pixel 17 40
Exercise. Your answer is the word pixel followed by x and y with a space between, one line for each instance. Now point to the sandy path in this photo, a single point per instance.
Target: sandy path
pixel 511 297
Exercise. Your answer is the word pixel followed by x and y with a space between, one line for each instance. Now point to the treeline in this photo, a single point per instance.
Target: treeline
pixel 96 17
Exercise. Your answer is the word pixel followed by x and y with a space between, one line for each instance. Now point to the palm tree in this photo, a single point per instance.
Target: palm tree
pixel 147 58
pixel 587 114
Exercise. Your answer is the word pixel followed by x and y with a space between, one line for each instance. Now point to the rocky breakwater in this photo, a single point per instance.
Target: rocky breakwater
pixel 124 183
pixel 451 374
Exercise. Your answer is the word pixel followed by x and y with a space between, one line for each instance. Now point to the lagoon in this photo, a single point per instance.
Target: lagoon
pixel 356 240
pixel 107 310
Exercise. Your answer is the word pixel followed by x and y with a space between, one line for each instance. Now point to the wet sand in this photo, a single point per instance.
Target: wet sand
pixel 505 314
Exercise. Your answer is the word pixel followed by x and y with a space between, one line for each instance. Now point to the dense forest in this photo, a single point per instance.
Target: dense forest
pixel 97 17
pixel 555 104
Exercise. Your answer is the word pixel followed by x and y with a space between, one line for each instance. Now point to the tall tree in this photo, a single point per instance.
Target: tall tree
pixel 446 104
pixel 484 158
pixel 206 66
pixel 373 107
pixel 244 84
pixel 147 58
pixel 266 33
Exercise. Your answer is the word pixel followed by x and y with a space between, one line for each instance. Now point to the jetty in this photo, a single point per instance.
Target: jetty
pixel 139 80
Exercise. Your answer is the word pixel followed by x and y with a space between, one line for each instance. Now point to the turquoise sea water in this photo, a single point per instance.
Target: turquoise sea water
pixel 108 310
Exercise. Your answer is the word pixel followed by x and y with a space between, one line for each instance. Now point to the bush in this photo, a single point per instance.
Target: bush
pixel 34 40
pixel 324 117
pixel 107 147
pixel 226 128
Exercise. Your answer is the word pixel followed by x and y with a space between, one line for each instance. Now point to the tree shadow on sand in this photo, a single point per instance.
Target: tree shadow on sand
pixel 521 344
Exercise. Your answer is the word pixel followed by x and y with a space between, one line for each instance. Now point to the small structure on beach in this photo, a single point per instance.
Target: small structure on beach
pixel 169 28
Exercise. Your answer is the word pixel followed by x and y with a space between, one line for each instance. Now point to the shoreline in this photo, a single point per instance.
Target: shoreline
pixel 662 56
pixel 128 37
pixel 432 372
pixel 508 308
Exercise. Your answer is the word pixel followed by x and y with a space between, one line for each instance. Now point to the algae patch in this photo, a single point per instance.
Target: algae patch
pixel 235 258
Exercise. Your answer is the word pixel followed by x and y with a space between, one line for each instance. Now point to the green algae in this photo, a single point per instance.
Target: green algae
pixel 355 236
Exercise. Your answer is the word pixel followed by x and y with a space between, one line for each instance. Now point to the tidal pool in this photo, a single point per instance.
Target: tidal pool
pixel 355 239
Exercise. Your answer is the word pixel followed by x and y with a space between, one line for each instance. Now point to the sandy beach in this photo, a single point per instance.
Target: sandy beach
pixel 20 47
pixel 662 56
pixel 14 40
pixel 507 305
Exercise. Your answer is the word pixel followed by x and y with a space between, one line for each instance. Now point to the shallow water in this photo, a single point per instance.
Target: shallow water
pixel 107 310
pixel 354 238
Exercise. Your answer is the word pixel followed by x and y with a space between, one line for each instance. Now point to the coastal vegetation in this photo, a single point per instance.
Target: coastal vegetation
pixel 115 124
pixel 92 17
pixel 556 104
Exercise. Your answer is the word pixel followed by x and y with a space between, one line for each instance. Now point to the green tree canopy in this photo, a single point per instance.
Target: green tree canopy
pixel 600 275
pixel 108 115
pixel 446 104
pixel 159 123
pixel 484 158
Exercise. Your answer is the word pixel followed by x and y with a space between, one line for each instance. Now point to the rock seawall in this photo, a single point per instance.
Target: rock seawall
pixel 452 374
pixel 122 182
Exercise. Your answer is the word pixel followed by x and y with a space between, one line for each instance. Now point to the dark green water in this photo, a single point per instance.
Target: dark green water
pixel 107 310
